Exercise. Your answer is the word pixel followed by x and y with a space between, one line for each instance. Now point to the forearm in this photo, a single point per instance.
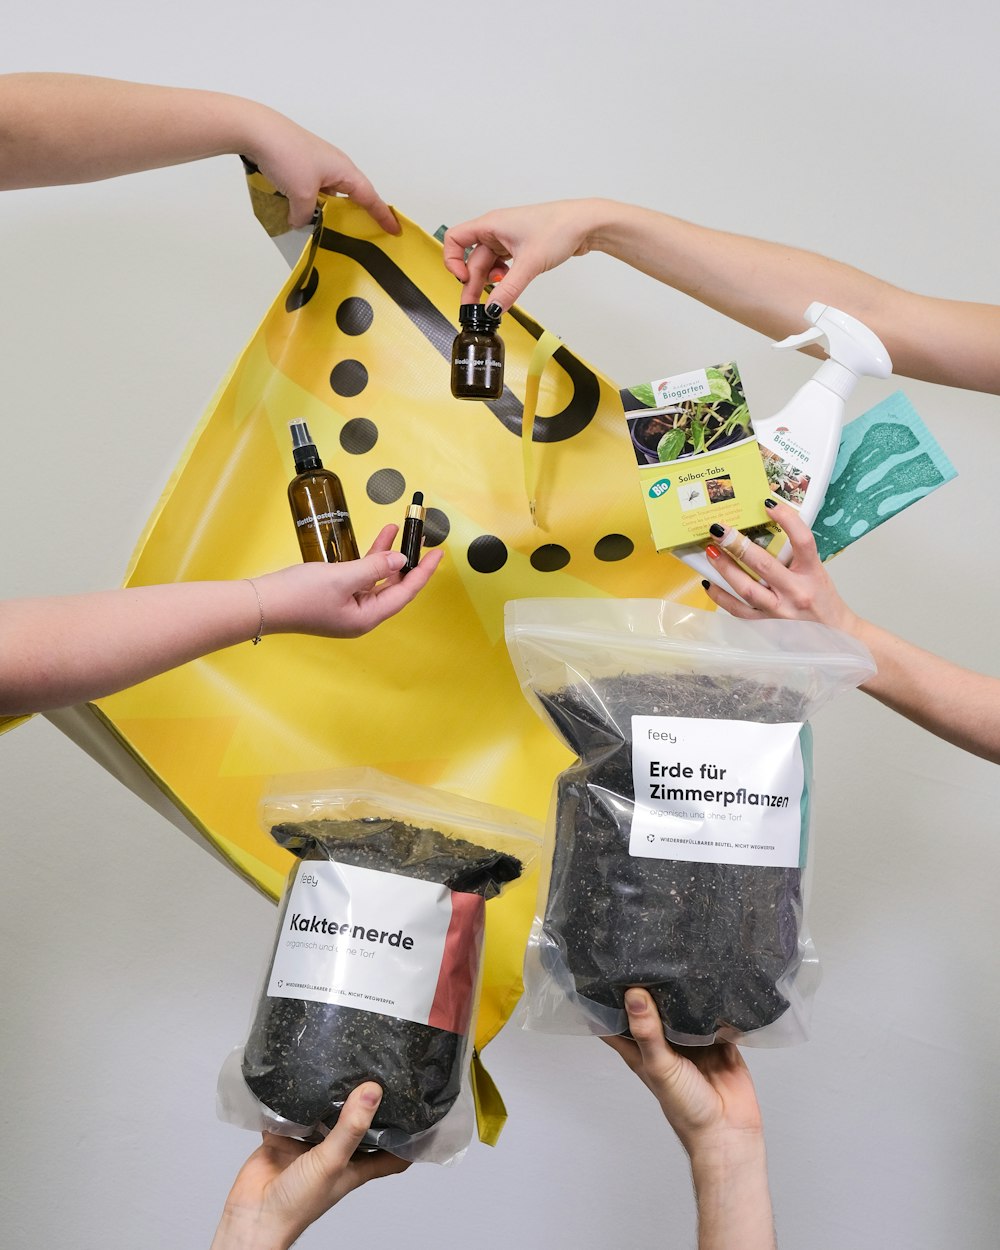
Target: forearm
pixel 60 651
pixel 954 703
pixel 768 286
pixel 66 128
pixel 734 1202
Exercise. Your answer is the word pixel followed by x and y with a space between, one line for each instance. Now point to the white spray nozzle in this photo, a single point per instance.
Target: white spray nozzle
pixel 849 343
pixel 800 340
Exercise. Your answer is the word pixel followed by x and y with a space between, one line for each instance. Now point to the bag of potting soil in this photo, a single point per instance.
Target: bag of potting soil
pixel 679 837
pixel 375 969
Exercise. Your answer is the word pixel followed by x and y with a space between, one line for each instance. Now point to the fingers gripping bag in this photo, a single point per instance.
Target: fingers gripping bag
pixel 376 962
pixel 679 836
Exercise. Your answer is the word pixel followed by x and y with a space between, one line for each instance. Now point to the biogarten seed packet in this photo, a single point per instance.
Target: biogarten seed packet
pixel 698 457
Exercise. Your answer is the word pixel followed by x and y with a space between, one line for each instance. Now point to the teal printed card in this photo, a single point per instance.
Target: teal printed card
pixel 888 459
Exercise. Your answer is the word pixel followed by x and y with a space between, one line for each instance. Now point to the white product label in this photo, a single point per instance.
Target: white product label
pixel 781 441
pixel 691 385
pixel 716 791
pixel 786 463
pixel 378 942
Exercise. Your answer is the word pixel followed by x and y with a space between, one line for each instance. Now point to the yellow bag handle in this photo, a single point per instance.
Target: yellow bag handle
pixel 541 354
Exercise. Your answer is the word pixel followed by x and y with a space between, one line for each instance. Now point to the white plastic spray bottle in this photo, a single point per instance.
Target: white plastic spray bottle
pixel 799 443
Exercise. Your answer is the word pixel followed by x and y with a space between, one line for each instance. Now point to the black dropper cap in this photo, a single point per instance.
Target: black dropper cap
pixel 303 448
pixel 475 317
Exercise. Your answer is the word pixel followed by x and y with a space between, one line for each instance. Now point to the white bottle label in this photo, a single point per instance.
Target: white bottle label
pixel 317 519
pixel 379 942
pixel 716 791
pixel 473 363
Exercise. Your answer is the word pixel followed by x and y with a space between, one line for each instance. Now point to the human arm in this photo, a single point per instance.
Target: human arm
pixel 63 650
pixel 764 285
pixel 286 1185
pixel 956 704
pixel 66 128
pixel 707 1096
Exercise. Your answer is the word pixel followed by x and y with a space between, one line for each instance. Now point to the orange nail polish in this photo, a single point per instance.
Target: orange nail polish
pixel 712 552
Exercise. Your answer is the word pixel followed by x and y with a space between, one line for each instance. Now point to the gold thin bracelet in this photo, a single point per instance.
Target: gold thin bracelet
pixel 260 627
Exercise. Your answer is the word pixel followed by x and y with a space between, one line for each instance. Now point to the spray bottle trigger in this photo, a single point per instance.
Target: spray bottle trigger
pixel 812 335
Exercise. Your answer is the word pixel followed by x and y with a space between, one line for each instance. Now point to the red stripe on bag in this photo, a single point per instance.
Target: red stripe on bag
pixel 452 1004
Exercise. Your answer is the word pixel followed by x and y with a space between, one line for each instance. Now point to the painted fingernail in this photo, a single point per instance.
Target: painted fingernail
pixel 716 529
pixel 372 1096
pixel 712 552
pixel 770 503
pixel 494 310
pixel 705 583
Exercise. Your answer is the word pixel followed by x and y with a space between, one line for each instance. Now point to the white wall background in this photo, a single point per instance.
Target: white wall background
pixel 866 130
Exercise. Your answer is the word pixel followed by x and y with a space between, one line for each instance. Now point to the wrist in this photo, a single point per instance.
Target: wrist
pixel 628 232
pixel 849 622
pixel 209 123
pixel 880 643
pixel 846 621
pixel 241 126
pixel 244 1230
pixel 605 225
pixel 726 1154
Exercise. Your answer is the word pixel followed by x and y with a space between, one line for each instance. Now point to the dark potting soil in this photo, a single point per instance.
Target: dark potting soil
pixel 709 941
pixel 302 1059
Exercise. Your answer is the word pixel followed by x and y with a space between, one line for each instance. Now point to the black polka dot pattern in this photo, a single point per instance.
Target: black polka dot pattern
pixel 358 436
pixel 436 527
pixel 349 378
pixel 614 547
pixel 549 558
pixel 385 486
pixel 355 315
pixel 487 554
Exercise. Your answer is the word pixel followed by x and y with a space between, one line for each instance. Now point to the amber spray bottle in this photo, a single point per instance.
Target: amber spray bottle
pixel 319 509
pixel 477 355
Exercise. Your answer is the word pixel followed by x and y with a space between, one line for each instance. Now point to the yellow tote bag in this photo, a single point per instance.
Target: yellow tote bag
pixel 358 344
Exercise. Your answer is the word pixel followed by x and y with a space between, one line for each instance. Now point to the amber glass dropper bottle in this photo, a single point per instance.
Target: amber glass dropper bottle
pixel 319 509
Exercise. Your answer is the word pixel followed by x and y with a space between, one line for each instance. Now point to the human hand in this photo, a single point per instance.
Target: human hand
pixel 301 165
pixel 533 238
pixel 708 1097
pixel 343 600
pixel 705 1092
pixel 802 590
pixel 285 1185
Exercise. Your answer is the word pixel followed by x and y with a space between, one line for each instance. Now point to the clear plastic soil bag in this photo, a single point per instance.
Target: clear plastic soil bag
pixel 376 964
pixel 679 837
